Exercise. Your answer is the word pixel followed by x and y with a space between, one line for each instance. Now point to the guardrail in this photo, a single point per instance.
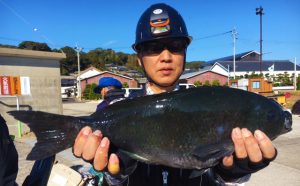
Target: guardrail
pixel 19 124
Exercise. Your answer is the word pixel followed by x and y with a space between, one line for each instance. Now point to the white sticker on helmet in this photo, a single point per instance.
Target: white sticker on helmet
pixel 157 11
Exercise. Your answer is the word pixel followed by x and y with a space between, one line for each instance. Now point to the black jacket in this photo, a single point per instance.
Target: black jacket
pixel 8 157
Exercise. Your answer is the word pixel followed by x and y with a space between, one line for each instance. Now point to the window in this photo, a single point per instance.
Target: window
pixel 256 85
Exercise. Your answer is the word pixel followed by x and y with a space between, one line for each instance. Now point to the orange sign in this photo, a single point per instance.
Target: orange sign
pixel 15 85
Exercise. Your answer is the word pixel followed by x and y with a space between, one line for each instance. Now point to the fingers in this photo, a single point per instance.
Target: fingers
pixel 228 161
pixel 101 156
pixel 239 146
pixel 91 145
pixel 114 165
pixel 251 145
pixel 81 140
pixel 255 147
pixel 265 145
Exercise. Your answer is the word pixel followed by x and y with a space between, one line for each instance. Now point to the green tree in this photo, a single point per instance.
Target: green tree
pixel 69 64
pixel 286 79
pixel 194 64
pixel 298 83
pixel 197 83
pixel 8 46
pixel 207 83
pixel 30 45
pixel 215 83
pixel 89 93
pixel 125 85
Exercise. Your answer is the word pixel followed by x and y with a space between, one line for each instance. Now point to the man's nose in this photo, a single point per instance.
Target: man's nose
pixel 166 56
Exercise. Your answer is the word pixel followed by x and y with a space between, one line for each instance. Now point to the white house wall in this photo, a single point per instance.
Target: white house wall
pixel 219 70
pixel 89 73
pixel 266 72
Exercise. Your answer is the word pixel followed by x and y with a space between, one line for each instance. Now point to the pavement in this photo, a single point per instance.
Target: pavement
pixel 284 170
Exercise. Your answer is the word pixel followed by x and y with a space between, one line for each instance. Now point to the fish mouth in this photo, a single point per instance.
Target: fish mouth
pixel 288 122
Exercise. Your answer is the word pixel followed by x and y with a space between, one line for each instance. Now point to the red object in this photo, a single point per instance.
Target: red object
pixel 287 95
pixel 5 85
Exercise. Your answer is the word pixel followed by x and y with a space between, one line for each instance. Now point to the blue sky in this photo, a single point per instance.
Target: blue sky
pixel 111 24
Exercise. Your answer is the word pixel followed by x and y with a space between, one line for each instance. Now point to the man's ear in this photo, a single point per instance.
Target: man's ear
pixel 139 59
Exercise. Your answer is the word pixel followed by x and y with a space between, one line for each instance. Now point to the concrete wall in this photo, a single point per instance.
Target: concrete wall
pixel 43 69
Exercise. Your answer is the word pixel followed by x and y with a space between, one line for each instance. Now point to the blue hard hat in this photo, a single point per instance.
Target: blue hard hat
pixel 107 82
pixel 160 21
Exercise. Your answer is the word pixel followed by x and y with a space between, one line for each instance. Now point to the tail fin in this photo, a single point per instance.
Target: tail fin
pixel 54 132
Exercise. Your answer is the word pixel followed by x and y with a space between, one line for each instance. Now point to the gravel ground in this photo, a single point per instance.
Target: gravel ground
pixel 24 165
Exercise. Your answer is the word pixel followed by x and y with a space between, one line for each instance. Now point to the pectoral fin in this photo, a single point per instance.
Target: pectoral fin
pixel 214 151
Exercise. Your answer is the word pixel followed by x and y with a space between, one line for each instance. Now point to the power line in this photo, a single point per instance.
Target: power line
pixel 214 35
pixel 33 28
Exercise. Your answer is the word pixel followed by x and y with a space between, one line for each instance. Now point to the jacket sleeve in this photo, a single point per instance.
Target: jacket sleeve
pixel 128 166
pixel 240 171
pixel 8 157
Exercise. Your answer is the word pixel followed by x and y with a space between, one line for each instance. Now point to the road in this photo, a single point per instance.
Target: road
pixel 285 170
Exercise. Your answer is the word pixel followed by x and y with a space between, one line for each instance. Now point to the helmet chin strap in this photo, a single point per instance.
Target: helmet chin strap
pixel 150 80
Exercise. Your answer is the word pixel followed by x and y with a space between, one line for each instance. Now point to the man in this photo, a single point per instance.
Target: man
pixel 8 157
pixel 110 90
pixel 161 43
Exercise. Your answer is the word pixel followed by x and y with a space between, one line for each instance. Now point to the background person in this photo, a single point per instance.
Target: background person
pixel 110 90
pixel 161 43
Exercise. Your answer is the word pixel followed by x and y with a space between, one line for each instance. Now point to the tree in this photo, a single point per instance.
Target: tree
pixel 197 83
pixel 8 46
pixel 298 83
pixel 215 83
pixel 194 64
pixel 89 93
pixel 125 85
pixel 30 45
pixel 207 83
pixel 69 64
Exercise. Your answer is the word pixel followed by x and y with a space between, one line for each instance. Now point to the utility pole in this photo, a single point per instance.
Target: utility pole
pixel 259 11
pixel 78 50
pixel 295 71
pixel 234 37
pixel 228 74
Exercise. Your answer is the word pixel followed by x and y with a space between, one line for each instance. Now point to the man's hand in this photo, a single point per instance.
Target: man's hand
pixel 255 147
pixel 93 147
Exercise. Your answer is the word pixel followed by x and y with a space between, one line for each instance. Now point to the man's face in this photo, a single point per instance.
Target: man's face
pixel 103 92
pixel 163 60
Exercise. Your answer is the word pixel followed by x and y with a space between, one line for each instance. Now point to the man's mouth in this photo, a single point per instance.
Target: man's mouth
pixel 166 71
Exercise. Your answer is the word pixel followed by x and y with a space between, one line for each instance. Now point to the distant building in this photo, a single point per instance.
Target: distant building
pixel 37 75
pixel 248 63
pixel 203 76
pixel 92 75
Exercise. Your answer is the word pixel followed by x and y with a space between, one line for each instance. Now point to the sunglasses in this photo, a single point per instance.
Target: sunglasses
pixel 156 47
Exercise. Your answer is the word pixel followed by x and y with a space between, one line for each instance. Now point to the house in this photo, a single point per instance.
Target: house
pixel 95 79
pixel 257 85
pixel 248 63
pixel 202 76
pixel 89 72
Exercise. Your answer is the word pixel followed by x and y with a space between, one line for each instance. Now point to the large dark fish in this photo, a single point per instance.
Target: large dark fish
pixel 183 129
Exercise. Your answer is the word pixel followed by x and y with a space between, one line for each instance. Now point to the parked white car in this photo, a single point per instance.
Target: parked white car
pixel 130 90
pixel 183 86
